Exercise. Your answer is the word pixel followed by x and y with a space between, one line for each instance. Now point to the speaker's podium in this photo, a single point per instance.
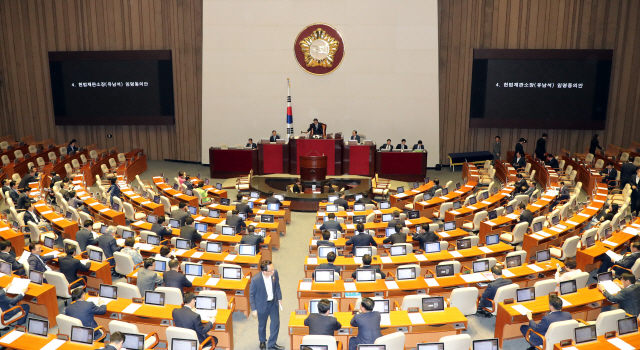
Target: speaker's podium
pixel 313 173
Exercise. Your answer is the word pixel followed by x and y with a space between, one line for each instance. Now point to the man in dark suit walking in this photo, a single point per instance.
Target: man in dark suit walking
pixel 555 315
pixel 252 238
pixel 627 170
pixel 84 237
pixel 492 288
pixel 331 223
pixel 174 278
pixel 520 146
pixel 161 230
pixel 628 298
pixel 322 323
pixel 541 147
pixel 85 310
pixel 236 221
pixel 265 298
pixel 366 265
pixel 361 240
pixel 69 266
pixel 331 257
pixel 189 232
pixel 626 261
pixel 368 323
pixel 185 317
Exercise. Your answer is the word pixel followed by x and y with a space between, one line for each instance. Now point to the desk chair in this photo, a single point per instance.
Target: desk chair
pixel 5 160
pixel 487 179
pixel 592 232
pixel 545 287
pixel 569 248
pixel 474 226
pixel 504 292
pixel 635 269
pixel 410 301
pixel 132 215
pixel 444 207
pixel 418 198
pixel 392 341
pixel 221 299
pixel 607 321
pixel 6 324
pixel 127 291
pixel 537 219
pixel 371 217
pixel 450 186
pixel 184 333
pixel 144 235
pixel 465 299
pixel 124 263
pixel 150 340
pixel 63 287
pixel 556 332
pixel 74 243
pixel 35 234
pixel 118 201
pixel 66 322
pixel 326 340
pixel 92 247
pixel 517 235
pixel 168 208
pixel 172 295
pixel 458 341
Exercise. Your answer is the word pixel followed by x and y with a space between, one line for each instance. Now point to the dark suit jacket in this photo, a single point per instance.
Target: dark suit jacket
pixel 237 222
pixel 161 231
pixel 114 190
pixel 22 201
pixel 325 243
pixel 5 189
pixel 273 138
pixel 243 208
pixel 427 237
pixel 11 259
pixel 433 189
pixel 252 145
pixel 490 291
pixel 553 163
pixel 84 311
pixel 190 233
pixel 38 263
pixel 69 267
pixel 7 303
pixel 331 225
pixel 370 267
pixel 175 279
pixel 609 176
pixel 594 144
pixel 296 188
pixel 365 200
pixel 628 299
pixel 272 199
pixel 28 216
pixel 108 244
pixel 545 322
pixel 15 196
pixel 317 130
pixel 401 146
pixel 363 240
pixel 627 170
pixel 563 193
pixel 185 317
pixel 327 266
pixel 252 239
pixel 386 146
pixel 519 148
pixel 322 324
pixel 527 216
pixel 519 163
pixel 258 292
pixel 357 138
pixel 397 237
pixel 54 180
pixel 417 146
pixel 71 149
pixel 394 222
pixel 368 327
pixel 541 148
pixel 341 202
pixel 26 180
pixel 628 260
pixel 181 215
pixel 84 238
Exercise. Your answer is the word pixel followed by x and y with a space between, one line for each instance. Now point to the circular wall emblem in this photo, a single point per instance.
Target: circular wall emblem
pixel 319 49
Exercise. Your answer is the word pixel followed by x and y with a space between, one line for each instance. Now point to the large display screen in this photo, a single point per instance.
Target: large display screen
pixel 112 87
pixel 546 89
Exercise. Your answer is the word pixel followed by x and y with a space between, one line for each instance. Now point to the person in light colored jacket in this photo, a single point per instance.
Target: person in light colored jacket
pixel 570 272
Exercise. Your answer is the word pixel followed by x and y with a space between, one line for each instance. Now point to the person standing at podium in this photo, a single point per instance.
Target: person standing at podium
pixel 402 145
pixel 387 146
pixel 317 128
pixel 274 136
pixel 355 136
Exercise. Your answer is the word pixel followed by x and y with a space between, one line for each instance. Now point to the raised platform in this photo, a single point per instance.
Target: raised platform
pixel 308 201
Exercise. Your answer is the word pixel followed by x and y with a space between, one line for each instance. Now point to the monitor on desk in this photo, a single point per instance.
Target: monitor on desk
pixel 194 269
pixel 247 249
pixel 543 255
pixel 95 255
pixel 537 226
pixel 608 232
pixel 585 334
pixel 508 209
pixel 416 185
pixel 225 201
pixel 214 214
pixel 444 270
pixel 324 250
pixel 398 250
pixel 426 197
pixel 103 229
pixel 481 266
pixel 108 291
pixel 186 344
pixel 365 275
pixel 472 200
pixel 5 268
pixel 445 191
pixel 485 195
pixel 275 206
pixel 133 341
pixel 160 265
pixel 513 261
pixel 175 187
pixel 605 276
pixel 156 199
pixel 627 325
pixel 405 273
pixel 332 208
pixel 492 239
pixel 214 247
pixel 228 231
pixel 48 242
pixel 384 205
pixel 205 303
pixel 36 277
pixel 371 347
pixel 254 194
pixel 152 219
pixel 68 215
pixel 432 247
pixel 555 220
pixel 233 273
pixel 388 231
pixel 357 196
pixel 358 207
pixel 218 186
pixel 400 189
pixel 174 223
pixel 182 243
pixel 189 193
pixel 153 239
pixel 38 327
pixel 82 335
pixel 359 219
pixel 116 207
pixel 485 344
pixel 324 276
pixel 206 182
pixel 362 251
pixel 449 226
pixel 590 241
pixel 333 235
pixel 332 198
pixel 266 218
pixel 413 214
pixel 387 217
pixel 250 204
pixel 154 298
pixel 430 346
pixel 430 304
pixel 568 287
pixel 192 210
pixel 456 205
pixel 201 227
pixel 127 234
pixel 525 294
pixel 381 306
pixel 464 243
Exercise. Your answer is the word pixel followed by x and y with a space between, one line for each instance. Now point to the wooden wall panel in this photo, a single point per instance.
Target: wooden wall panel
pixel 31 28
pixel 537 24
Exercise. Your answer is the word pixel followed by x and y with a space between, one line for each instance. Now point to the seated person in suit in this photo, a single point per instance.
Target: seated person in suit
pixel 31 216
pixel 189 232
pixel 23 199
pixel 368 323
pixel 625 262
pixel 13 192
pixel 628 298
pixel 271 198
pixel 425 236
pixel 331 257
pixel 69 267
pixel 555 315
pixel 148 278
pixel 396 220
pixel 252 238
pixel 331 223
pixel 387 146
pixel 116 341
pixel 418 145
pixel 28 178
pixel 325 240
pixel 165 254
pixel 520 182
pixel 355 136
pixel 552 162
pixel 436 186
pixel 85 310
pixel 609 173
pixel 274 136
pixel 181 213
pixel 108 244
pixel 236 221
pixel 361 239
pixel 161 229
pixel 365 199
pixel 322 323
pixel 75 202
pixel 242 205
pixel 317 128
pixel 525 214
pixel 296 187
pixel 251 144
pixel 366 264
pixel 188 183
pixel 203 193
pixel 71 148
pixel 8 255
pixel 402 145
pixel 185 317
pixel 563 195
pixel 519 162
pixel 37 262
pixel 134 253
pixel 341 201
pixel 490 291
pixel 398 237
pixel 5 186
pixel 174 278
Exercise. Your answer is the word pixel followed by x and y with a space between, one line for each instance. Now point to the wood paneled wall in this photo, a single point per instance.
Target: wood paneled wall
pixel 31 28
pixel 537 24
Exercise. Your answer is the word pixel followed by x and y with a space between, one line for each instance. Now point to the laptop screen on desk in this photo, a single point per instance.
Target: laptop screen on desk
pixel 472 200
pixel 201 227
pixel 186 344
pixel 205 303
pixel 161 265
pixel 585 334
pixel 331 199
pixel 444 270
pixel 525 294
pixel 398 250
pixel 357 196
pixel 313 307
pixel 5 268
pixel 233 273
pixel 82 335
pixel 463 244
pixel 485 344
pixel 95 255
pixel 316 347
pixel 359 219
pixel 492 215
pixel 214 247
pixel 174 223
pixel 537 227
pixel 324 250
pixel 414 214
pixel 192 210
pixel 543 255
pixel 432 304
pixel 568 287
pixel 381 306
pixel 372 347
pixel 152 219
pixel 266 218
pixel 153 239
pixel 492 239
pixel 108 291
pixel 214 213
pixel 126 234
pixel 432 247
pixel 480 266
pixel 388 231
pixel 365 275
pixel 605 276
pixel 362 251
pixel 456 205
pixel 193 269
pixel 508 209
pixel 182 243
pixel 254 194
pixel 431 346
pixel 324 276
pixel 405 273
pixel 513 261
pixel 133 341
pixel 627 325
pixel 387 217
pixel 449 225
pixel 225 201
pixel 276 206
pixel 154 298
pixel 38 327
pixel 228 231
pixel 247 249
pixel 358 207
pixel 49 242
pixel 36 277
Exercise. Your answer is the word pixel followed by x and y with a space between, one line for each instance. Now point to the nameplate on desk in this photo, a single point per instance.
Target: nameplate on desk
pixel 336 295
pixel 611 334
pixel 402 329
pixel 343 331
pixel 308 280
pixel 413 309
pixel 301 312
pixel 165 322
pixel 239 292
pixel 346 279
